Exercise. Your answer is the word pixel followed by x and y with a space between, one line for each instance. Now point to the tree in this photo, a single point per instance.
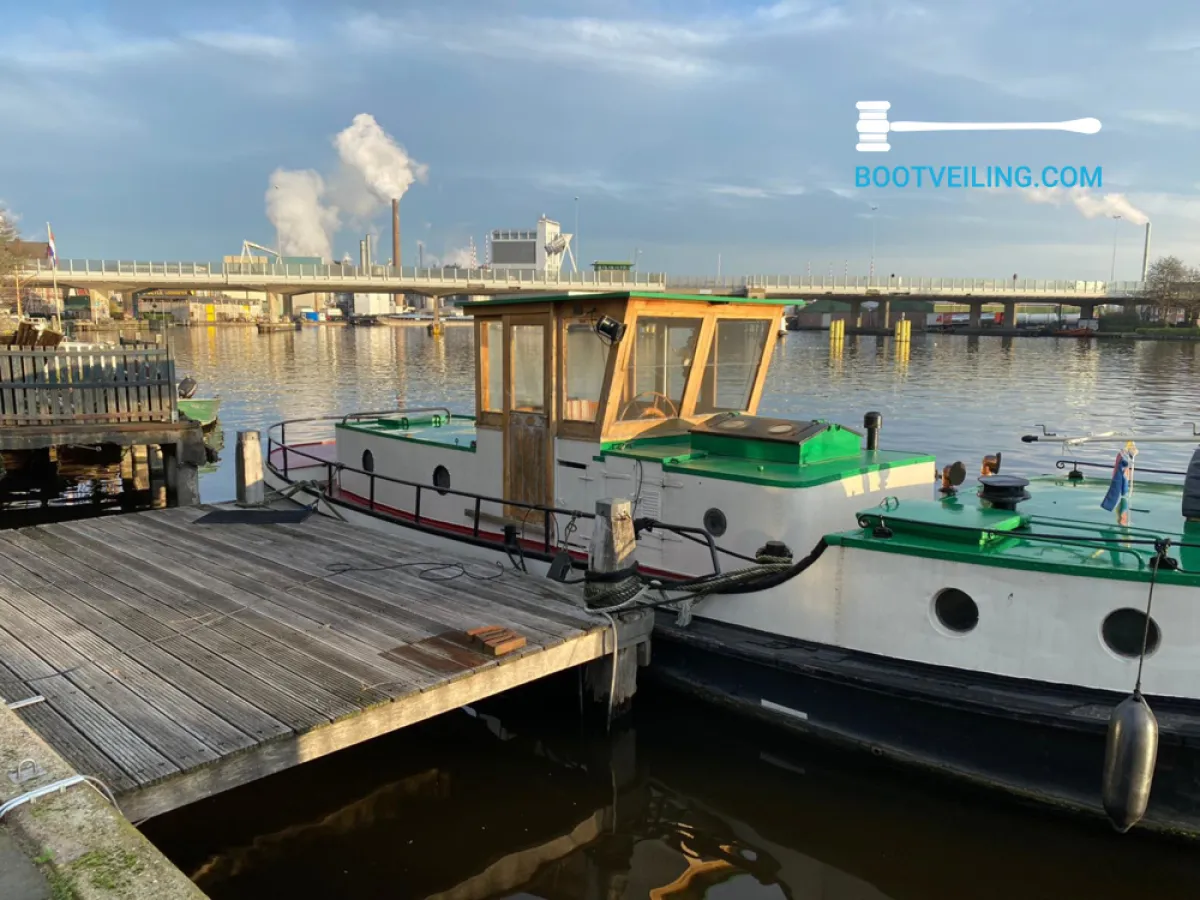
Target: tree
pixel 1174 287
pixel 10 260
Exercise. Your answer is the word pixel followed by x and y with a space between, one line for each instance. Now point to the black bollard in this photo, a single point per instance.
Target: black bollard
pixel 872 422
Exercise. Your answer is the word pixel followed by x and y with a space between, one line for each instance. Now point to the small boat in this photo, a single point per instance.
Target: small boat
pixel 964 635
pixel 201 409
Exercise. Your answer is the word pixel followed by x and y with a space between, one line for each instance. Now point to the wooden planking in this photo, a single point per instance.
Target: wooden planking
pixel 245 670
pixel 235 722
pixel 25 618
pixel 46 719
pixel 209 733
pixel 342 665
pixel 477 606
pixel 137 759
pixel 255 640
pixel 379 573
pixel 44 387
pixel 279 755
pixel 183 659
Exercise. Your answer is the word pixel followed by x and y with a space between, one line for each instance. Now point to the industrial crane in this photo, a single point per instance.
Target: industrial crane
pixel 247 246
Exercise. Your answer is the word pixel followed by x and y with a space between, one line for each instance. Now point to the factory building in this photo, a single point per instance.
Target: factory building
pixel 540 250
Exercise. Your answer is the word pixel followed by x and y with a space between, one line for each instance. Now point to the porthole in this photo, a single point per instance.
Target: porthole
pixel 368 461
pixel 441 478
pixel 714 522
pixel 1123 630
pixel 956 610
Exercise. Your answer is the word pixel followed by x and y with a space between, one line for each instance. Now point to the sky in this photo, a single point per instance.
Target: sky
pixel 700 133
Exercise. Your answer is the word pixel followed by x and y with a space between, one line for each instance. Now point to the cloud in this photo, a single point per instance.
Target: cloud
pixel 764 192
pixel 1089 204
pixel 645 47
pixel 263 46
pixel 1172 118
pixel 60 47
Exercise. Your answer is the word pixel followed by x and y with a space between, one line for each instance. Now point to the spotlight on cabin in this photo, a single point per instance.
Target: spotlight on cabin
pixel 610 329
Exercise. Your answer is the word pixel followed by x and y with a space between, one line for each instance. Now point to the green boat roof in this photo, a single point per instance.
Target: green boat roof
pixel 619 295
pixel 1061 529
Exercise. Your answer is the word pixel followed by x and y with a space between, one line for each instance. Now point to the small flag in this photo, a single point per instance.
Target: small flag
pixel 51 250
pixel 1117 498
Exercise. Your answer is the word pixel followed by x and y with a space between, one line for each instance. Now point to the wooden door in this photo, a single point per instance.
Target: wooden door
pixel 527 422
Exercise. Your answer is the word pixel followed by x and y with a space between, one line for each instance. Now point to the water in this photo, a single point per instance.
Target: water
pixel 518 806
pixel 512 804
pixel 958 397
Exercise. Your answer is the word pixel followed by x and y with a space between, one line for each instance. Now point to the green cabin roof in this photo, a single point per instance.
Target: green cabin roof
pixel 619 295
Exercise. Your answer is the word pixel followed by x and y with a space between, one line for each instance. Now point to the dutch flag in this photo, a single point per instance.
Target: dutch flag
pixel 51 250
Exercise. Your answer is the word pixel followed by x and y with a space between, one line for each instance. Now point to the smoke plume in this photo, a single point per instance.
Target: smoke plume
pixel 295 208
pixel 1090 205
pixel 307 209
pixel 385 166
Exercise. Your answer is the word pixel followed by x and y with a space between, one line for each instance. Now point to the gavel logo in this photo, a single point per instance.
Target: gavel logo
pixel 874 127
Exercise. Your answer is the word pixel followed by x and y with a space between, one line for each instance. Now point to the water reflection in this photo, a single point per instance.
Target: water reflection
pixel 686 805
pixel 952 395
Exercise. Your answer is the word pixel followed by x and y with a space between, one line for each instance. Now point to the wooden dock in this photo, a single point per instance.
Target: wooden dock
pixel 179 658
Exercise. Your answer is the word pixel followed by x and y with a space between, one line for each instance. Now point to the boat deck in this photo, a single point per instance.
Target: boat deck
pixel 179 658
pixel 676 455
pixel 1060 528
pixel 457 432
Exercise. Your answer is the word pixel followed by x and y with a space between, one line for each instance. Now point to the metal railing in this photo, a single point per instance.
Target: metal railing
pixel 334 469
pixel 222 273
pixel 490 279
pixel 903 284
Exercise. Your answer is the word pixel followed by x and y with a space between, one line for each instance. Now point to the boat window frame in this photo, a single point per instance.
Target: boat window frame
pixel 489 418
pixel 591 311
pixel 614 429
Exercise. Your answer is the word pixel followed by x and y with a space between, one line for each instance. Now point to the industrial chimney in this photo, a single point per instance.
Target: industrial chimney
pixel 396 233
pixel 1146 254
pixel 362 254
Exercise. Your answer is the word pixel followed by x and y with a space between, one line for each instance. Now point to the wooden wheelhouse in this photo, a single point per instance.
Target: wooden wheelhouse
pixel 608 368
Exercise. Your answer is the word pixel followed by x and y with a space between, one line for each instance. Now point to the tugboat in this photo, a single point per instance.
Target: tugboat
pixel 961 635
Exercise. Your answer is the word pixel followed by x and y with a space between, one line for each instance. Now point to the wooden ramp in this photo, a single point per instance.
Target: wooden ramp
pixel 179 659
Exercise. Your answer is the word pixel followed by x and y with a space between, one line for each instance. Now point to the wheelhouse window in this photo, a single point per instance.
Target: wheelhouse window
pixel 659 363
pixel 491 359
pixel 529 368
pixel 586 358
pixel 733 364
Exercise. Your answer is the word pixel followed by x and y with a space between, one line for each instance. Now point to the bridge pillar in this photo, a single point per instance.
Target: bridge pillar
pixel 1010 313
pixel 100 301
pixel 884 313
pixel 1087 310
pixel 855 312
pixel 975 313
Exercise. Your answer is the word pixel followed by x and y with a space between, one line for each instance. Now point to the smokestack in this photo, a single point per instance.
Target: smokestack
pixel 367 244
pixel 1146 254
pixel 362 254
pixel 396 232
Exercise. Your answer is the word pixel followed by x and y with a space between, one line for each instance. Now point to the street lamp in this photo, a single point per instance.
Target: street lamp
pixel 576 234
pixel 874 209
pixel 1112 275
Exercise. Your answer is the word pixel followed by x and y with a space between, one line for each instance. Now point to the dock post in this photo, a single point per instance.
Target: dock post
pixel 250 488
pixel 613 548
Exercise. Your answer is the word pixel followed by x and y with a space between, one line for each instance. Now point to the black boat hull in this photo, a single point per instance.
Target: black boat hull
pixel 1038 742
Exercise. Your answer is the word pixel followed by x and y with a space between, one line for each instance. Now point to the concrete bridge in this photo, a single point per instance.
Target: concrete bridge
pixel 107 276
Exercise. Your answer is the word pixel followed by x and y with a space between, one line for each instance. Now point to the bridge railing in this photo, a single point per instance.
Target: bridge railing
pixel 298 271
pixel 464 279
pixel 901 284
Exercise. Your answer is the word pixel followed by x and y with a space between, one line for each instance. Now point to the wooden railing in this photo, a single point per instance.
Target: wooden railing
pixel 86 386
